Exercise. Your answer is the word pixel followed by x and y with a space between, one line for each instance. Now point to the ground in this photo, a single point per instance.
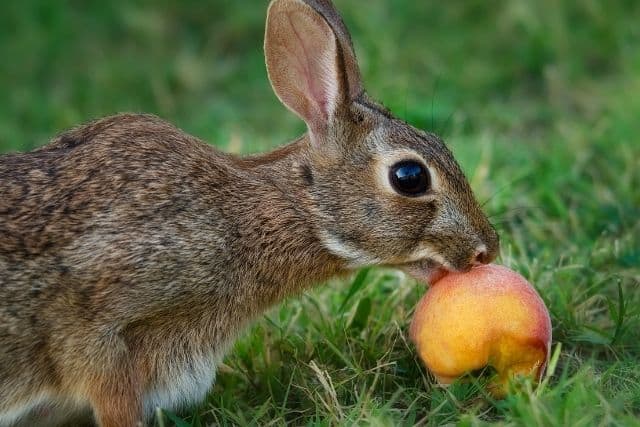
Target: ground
pixel 540 103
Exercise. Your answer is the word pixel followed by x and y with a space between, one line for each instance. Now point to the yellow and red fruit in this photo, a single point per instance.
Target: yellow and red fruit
pixel 489 316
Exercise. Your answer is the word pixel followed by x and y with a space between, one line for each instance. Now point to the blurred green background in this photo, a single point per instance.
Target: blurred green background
pixel 540 102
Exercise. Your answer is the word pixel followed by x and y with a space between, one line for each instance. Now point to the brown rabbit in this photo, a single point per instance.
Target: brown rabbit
pixel 132 254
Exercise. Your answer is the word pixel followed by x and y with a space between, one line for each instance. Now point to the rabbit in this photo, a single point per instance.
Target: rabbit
pixel 132 254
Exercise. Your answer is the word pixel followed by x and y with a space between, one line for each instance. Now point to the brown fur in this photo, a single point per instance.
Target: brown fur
pixel 130 251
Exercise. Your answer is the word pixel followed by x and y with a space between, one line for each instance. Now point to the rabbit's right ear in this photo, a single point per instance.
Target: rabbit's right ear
pixel 310 60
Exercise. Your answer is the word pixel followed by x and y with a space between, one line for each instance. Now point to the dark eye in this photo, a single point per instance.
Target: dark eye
pixel 410 178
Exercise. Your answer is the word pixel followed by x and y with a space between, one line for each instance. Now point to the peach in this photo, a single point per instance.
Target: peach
pixel 489 316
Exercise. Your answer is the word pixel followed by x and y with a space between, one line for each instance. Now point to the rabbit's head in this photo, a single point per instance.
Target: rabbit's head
pixel 379 190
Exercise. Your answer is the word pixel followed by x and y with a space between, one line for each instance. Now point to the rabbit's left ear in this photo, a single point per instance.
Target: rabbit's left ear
pixel 311 65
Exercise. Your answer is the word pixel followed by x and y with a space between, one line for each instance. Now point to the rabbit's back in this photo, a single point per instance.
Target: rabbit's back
pixel 116 171
pixel 110 195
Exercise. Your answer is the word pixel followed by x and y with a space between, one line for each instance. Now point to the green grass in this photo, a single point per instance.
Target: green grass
pixel 540 102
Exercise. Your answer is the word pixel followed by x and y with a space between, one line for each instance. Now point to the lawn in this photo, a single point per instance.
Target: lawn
pixel 540 103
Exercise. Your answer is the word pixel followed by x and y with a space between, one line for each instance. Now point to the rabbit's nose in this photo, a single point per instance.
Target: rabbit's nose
pixel 481 256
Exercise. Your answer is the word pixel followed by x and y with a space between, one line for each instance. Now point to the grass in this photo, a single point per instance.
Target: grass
pixel 539 102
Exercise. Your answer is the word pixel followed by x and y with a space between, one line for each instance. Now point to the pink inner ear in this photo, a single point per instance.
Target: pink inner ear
pixel 312 55
pixel 302 60
pixel 305 65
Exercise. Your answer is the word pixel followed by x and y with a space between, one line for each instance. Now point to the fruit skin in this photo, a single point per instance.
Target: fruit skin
pixel 489 316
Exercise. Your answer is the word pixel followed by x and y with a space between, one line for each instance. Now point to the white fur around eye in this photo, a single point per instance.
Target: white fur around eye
pixel 386 159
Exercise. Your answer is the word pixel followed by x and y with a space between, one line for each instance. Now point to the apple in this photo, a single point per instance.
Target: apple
pixel 489 316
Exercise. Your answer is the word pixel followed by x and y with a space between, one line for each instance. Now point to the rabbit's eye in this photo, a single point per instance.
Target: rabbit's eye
pixel 410 178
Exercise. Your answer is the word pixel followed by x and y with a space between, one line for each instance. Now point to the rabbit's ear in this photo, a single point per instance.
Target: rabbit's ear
pixel 351 69
pixel 311 66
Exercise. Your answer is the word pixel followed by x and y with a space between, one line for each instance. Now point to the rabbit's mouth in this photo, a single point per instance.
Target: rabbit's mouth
pixel 425 270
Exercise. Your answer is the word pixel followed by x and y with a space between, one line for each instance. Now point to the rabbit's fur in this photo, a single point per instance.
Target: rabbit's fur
pixel 132 254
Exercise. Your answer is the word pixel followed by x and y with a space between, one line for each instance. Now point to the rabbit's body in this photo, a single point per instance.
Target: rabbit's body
pixel 154 253
pixel 132 254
